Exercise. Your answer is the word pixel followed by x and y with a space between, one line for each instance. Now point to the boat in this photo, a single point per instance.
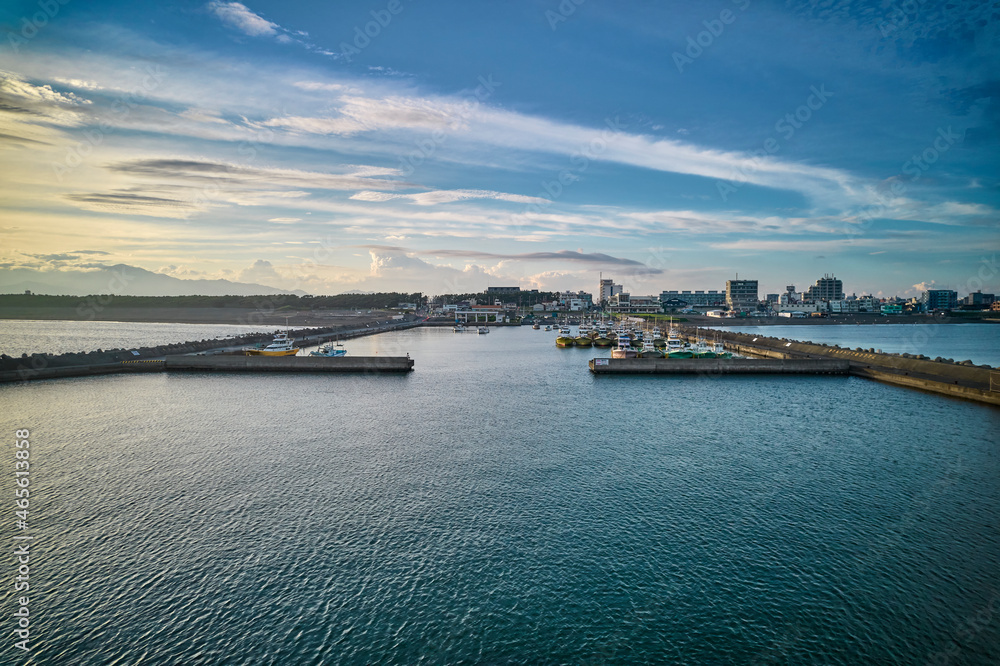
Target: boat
pixel 676 347
pixel 649 350
pixel 330 350
pixel 535 326
pixel 624 349
pixel 483 329
pixel 458 328
pixel 282 345
pixel 603 341
pixel 548 328
pixel 583 341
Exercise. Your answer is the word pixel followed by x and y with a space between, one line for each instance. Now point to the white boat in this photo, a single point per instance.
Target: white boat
pixel 330 350
pixel 458 328
pixel 282 345
pixel 483 329
pixel 624 348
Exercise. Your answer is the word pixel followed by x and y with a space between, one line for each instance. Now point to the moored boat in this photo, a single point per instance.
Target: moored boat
pixel 624 349
pixel 282 345
pixel 330 350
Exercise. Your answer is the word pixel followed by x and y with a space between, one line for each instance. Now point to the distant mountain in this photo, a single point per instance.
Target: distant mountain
pixel 124 280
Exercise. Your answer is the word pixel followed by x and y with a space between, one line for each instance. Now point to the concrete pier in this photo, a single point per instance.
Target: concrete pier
pixel 223 363
pixel 957 380
pixel 717 366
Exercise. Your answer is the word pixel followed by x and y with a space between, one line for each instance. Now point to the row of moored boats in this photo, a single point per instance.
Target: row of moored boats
pixel 636 342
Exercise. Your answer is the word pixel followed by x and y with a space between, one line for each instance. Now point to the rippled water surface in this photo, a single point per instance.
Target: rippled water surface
pixel 502 505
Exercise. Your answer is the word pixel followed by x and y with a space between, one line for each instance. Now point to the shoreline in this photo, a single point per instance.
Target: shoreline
pixel 211 316
pixel 255 317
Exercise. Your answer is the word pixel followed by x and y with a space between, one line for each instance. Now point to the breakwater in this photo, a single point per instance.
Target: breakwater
pixel 965 380
pixel 140 359
pixel 225 363
pixel 717 366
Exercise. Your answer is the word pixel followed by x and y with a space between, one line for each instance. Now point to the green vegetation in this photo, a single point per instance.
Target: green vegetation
pixel 523 299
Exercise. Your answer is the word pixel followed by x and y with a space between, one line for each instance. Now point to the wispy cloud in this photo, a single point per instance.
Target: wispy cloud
pixel 449 196
pixel 238 16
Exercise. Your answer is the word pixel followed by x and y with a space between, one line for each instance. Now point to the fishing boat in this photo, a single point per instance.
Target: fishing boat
pixel 676 347
pixel 458 328
pixel 483 330
pixel 565 338
pixel 330 350
pixel 649 351
pixel 282 345
pixel 535 326
pixel 624 348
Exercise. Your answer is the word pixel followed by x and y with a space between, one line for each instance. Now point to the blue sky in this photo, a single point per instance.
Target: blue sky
pixel 445 147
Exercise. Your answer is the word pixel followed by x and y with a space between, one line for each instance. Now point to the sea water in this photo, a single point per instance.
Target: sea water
pixel 501 504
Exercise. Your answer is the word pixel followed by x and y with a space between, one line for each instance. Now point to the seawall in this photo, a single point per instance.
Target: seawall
pixel 717 366
pixel 224 363
pixel 958 380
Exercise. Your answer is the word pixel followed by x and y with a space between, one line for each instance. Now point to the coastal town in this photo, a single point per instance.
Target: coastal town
pixel 739 300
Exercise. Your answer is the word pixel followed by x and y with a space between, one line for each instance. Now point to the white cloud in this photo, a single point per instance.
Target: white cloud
pixel 239 16
pixel 448 196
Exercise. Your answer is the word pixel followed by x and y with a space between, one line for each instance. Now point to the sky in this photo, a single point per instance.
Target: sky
pixel 444 147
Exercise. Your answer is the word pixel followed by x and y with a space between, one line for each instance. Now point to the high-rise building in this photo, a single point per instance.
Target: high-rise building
pixel 606 290
pixel 741 295
pixel 939 299
pixel 827 288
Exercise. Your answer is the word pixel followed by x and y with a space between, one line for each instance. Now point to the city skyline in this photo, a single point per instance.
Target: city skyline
pixel 403 147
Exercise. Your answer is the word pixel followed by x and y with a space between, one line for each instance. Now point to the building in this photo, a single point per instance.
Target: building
pixel 624 303
pixel 796 307
pixel 848 306
pixel 979 299
pixel 577 300
pixel 695 298
pixel 771 298
pixel 503 290
pixel 741 295
pixel 939 299
pixel 827 288
pixel 608 289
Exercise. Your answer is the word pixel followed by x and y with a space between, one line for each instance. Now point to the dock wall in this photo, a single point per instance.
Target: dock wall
pixel 223 363
pixel 718 366
pixel 957 380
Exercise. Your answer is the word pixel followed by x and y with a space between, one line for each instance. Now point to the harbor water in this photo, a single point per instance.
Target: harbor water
pixel 501 504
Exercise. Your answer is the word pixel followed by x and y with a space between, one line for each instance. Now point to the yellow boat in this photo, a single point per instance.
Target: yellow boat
pixel 281 346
